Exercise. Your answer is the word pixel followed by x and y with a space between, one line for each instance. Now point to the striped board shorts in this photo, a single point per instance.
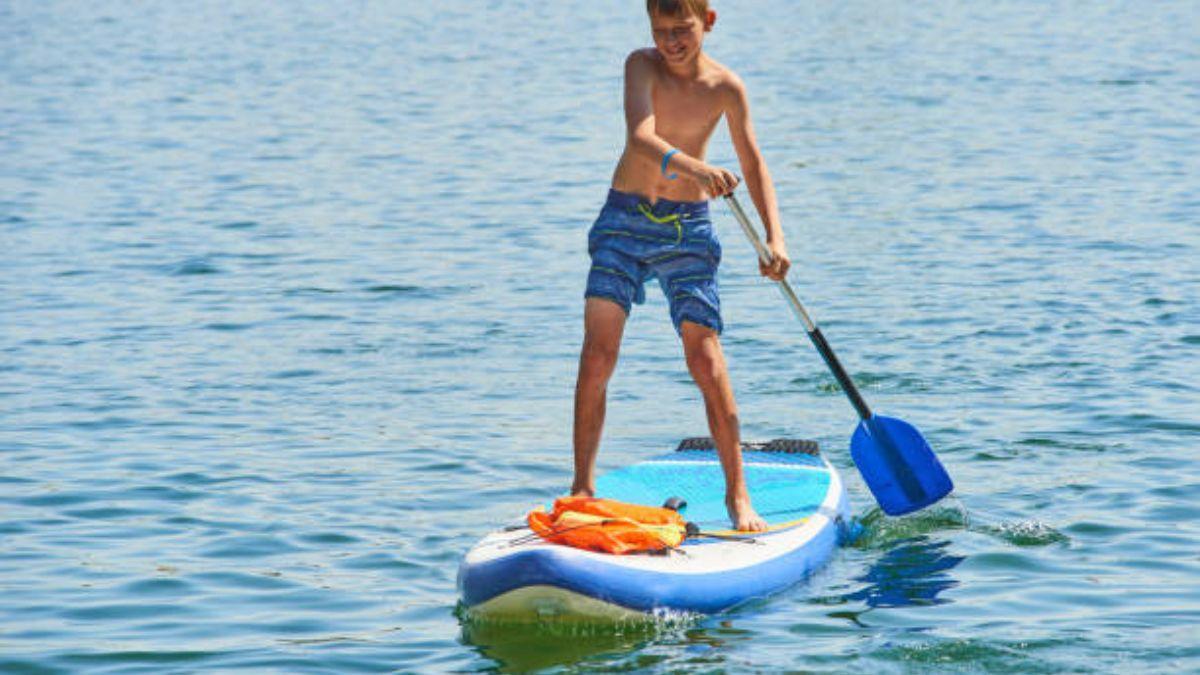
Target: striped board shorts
pixel 633 241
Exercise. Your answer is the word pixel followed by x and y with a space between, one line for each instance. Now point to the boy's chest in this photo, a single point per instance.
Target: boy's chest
pixel 689 111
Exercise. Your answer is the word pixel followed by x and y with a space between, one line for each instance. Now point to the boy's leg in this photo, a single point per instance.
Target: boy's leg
pixel 706 362
pixel 603 325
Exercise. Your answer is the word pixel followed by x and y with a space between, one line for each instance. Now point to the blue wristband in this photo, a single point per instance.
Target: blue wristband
pixel 667 158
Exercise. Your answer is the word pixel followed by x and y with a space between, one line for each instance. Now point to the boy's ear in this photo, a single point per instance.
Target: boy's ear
pixel 710 19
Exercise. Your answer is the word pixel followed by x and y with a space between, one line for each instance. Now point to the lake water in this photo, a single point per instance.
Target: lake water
pixel 291 302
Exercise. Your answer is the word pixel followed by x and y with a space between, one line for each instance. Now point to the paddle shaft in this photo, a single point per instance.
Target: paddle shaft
pixel 810 326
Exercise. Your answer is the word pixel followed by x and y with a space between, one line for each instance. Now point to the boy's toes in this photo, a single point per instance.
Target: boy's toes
pixel 755 524
pixel 745 518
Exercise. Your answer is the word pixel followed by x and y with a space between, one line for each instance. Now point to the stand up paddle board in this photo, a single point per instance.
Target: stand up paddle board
pixel 513 575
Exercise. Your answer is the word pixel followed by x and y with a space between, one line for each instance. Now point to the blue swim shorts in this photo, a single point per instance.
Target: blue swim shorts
pixel 633 241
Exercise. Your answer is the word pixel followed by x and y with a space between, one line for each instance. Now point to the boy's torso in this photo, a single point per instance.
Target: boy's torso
pixel 686 112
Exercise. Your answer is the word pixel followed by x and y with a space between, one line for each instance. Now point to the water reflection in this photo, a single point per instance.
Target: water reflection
pixel 521 647
pixel 914 572
pixel 517 648
pixel 685 641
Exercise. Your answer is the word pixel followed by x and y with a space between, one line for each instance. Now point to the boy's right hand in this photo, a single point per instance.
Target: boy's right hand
pixel 717 182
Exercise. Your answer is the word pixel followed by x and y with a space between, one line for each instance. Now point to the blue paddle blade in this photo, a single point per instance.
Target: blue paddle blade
pixel 898 465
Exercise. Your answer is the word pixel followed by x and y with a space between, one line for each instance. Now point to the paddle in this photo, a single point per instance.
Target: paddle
pixel 893 457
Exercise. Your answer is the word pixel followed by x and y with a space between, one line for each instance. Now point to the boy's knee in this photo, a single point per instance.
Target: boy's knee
pixel 705 365
pixel 598 358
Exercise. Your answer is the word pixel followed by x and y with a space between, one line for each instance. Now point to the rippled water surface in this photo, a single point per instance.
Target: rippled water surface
pixel 291 300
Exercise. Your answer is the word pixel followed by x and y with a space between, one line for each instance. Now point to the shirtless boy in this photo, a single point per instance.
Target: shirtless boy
pixel 655 223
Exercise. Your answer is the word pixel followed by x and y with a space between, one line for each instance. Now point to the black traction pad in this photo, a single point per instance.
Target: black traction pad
pixel 792 445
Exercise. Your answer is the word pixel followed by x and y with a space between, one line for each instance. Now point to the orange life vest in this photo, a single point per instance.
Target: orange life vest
pixel 608 526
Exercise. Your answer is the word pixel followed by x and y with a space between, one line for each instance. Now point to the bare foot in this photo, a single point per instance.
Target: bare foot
pixel 583 492
pixel 743 516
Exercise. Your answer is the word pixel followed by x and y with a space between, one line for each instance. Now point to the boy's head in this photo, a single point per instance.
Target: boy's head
pixel 679 26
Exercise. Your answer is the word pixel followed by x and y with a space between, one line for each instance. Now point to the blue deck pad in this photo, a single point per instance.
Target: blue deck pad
pixel 783 487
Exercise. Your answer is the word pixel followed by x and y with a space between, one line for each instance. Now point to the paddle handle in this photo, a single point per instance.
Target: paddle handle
pixel 810 326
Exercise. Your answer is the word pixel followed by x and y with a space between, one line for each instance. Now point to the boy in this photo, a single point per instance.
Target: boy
pixel 655 223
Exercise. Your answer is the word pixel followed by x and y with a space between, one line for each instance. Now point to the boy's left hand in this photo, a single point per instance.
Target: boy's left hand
pixel 780 262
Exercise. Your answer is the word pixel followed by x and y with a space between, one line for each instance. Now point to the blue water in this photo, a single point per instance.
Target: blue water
pixel 291 305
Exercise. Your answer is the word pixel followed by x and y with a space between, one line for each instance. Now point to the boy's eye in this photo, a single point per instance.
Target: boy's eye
pixel 674 32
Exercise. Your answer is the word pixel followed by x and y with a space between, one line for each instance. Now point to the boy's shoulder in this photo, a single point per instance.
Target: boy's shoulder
pixel 713 73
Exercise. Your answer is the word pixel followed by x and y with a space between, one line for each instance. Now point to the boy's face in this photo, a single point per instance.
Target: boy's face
pixel 680 38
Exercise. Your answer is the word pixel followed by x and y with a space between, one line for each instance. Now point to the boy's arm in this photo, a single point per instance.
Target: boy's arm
pixel 758 179
pixel 643 139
